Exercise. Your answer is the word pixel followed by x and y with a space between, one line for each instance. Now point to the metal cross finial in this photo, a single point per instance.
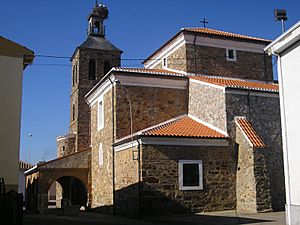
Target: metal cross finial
pixel 204 21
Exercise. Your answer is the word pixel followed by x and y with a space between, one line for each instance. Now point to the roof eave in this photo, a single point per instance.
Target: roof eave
pixel 284 40
pixel 163 45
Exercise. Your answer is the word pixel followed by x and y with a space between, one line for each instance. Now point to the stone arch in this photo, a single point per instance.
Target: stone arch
pixel 73 189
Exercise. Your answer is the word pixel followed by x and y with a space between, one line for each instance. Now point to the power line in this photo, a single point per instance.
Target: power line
pixel 142 59
pixel 176 61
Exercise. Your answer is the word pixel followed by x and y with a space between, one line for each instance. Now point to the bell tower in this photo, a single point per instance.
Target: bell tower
pixel 96 20
pixel 90 62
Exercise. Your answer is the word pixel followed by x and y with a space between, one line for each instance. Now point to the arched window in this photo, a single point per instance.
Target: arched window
pixel 107 67
pixel 96 27
pixel 73 77
pixel 92 69
pixel 76 72
pixel 73 112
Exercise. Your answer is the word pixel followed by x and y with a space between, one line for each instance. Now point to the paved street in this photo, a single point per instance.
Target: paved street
pixel 220 218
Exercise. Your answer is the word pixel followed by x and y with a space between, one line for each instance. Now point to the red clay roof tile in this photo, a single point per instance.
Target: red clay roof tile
pixel 144 70
pixel 238 83
pixel 249 131
pixel 183 126
pixel 224 34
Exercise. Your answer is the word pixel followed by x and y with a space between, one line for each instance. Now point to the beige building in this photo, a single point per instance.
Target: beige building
pixel 14 58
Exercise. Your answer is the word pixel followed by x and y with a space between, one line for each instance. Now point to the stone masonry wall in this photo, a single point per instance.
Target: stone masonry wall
pixel 264 115
pixel 178 59
pixel 150 106
pixel 65 145
pixel 252 182
pixel 127 182
pixel 208 104
pixel 81 124
pixel 161 194
pixel 212 61
pixel 102 189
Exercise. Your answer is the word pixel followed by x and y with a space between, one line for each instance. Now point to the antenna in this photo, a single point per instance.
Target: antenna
pixel 96 4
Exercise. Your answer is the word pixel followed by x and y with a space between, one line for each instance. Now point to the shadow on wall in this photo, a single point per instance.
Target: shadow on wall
pixel 157 205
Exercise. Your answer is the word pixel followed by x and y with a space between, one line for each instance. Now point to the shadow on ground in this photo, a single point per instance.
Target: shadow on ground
pixel 87 218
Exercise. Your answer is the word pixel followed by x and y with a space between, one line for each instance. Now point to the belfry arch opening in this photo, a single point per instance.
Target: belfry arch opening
pixel 70 188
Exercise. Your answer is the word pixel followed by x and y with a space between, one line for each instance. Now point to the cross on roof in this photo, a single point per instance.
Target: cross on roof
pixel 204 21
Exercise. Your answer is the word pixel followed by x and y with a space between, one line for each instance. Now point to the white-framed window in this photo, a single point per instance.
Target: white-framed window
pixel 164 62
pixel 190 175
pixel 100 114
pixel 230 54
pixel 100 155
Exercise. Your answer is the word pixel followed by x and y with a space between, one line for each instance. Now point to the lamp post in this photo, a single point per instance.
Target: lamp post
pixel 280 15
pixel 30 136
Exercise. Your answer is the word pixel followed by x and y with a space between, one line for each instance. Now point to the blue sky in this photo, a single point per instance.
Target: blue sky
pixel 137 27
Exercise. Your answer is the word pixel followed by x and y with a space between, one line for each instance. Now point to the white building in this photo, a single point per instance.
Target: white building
pixel 287 48
pixel 13 60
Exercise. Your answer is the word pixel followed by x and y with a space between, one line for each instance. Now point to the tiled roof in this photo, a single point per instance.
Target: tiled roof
pixel 249 131
pixel 238 83
pixel 209 31
pixel 148 71
pixel 182 126
pixel 24 165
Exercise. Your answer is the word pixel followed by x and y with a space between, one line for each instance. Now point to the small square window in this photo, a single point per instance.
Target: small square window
pixel 190 175
pixel 231 54
pixel 100 114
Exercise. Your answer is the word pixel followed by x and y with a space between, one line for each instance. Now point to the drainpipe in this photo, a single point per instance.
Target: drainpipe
pixel 265 67
pixel 113 149
pixel 139 178
pixel 249 106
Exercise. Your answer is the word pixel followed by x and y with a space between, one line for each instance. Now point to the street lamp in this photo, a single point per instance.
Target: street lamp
pixel 280 15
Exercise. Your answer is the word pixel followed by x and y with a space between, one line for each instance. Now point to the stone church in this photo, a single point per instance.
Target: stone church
pixel 196 129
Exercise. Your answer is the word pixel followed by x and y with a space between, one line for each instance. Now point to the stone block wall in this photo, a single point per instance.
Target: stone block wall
pixel 81 124
pixel 102 185
pixel 252 181
pixel 127 182
pixel 65 145
pixel 208 104
pixel 263 112
pixel 161 194
pixel 207 60
pixel 212 61
pixel 150 106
